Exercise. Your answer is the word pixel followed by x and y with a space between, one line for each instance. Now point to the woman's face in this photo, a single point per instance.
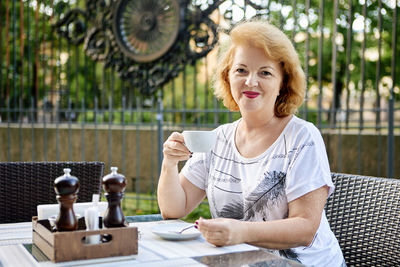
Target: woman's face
pixel 255 80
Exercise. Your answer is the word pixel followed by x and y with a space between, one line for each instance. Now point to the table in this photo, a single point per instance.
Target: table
pixel 16 249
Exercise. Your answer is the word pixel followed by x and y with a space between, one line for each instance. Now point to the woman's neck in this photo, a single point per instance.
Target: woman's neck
pixel 254 122
pixel 253 137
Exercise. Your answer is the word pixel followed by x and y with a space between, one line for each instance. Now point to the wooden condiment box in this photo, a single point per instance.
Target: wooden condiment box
pixel 69 246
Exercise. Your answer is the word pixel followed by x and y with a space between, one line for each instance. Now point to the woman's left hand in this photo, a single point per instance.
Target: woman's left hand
pixel 221 231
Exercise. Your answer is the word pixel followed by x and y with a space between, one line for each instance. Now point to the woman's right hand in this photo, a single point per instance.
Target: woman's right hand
pixel 174 149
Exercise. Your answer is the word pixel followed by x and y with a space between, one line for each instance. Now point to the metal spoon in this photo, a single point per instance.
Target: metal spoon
pixel 184 229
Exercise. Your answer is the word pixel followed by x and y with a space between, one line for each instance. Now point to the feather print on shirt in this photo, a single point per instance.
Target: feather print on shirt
pixel 267 195
pixel 233 210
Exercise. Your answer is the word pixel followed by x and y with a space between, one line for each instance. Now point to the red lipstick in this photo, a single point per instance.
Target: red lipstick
pixel 251 94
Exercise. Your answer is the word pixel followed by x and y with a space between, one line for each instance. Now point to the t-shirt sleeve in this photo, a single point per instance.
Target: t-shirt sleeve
pixel 195 170
pixel 309 168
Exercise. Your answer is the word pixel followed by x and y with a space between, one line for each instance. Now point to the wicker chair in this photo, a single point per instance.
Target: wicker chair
pixel 24 185
pixel 364 214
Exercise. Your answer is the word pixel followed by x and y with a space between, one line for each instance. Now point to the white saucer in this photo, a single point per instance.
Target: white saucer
pixel 167 231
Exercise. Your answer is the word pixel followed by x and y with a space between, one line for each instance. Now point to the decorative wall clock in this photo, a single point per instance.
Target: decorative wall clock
pixel 146 29
pixel 148 42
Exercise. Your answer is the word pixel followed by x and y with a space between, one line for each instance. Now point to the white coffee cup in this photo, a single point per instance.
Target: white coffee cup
pixel 200 141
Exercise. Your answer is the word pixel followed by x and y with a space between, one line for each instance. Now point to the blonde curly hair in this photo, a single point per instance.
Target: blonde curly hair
pixel 277 46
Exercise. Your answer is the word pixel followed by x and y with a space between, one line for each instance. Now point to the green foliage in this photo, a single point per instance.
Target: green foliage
pixel 134 204
pixel 50 67
pixel 312 116
pixel 203 210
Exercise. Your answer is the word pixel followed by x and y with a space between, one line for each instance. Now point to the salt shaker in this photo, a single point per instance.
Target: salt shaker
pixel 66 188
pixel 92 220
pixel 114 186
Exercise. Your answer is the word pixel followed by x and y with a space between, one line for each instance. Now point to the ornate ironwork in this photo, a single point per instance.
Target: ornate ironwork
pixel 146 29
pixel 147 42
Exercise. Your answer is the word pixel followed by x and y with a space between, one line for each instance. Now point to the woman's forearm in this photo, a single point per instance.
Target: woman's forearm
pixel 279 234
pixel 170 194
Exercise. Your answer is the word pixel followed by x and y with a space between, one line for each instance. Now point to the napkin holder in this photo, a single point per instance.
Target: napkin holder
pixel 71 245
pixel 44 211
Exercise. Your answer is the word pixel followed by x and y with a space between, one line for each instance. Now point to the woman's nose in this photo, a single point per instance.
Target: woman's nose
pixel 251 81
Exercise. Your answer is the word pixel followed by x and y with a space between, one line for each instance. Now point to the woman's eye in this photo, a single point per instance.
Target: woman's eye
pixel 265 73
pixel 240 70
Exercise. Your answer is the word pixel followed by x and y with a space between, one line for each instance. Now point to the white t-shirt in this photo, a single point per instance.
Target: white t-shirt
pixel 259 189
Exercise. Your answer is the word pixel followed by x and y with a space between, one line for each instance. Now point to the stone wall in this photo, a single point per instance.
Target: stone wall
pixel 365 153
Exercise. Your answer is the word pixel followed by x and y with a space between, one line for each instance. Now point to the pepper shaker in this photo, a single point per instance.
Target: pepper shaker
pixel 114 186
pixel 66 188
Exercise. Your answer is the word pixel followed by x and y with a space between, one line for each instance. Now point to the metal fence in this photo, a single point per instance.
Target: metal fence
pixel 59 100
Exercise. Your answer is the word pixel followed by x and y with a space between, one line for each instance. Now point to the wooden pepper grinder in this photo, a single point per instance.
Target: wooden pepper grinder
pixel 66 187
pixel 114 186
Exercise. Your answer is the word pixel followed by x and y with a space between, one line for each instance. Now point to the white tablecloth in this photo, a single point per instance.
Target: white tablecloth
pixel 153 251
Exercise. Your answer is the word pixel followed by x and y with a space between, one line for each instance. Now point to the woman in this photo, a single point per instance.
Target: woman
pixel 268 177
